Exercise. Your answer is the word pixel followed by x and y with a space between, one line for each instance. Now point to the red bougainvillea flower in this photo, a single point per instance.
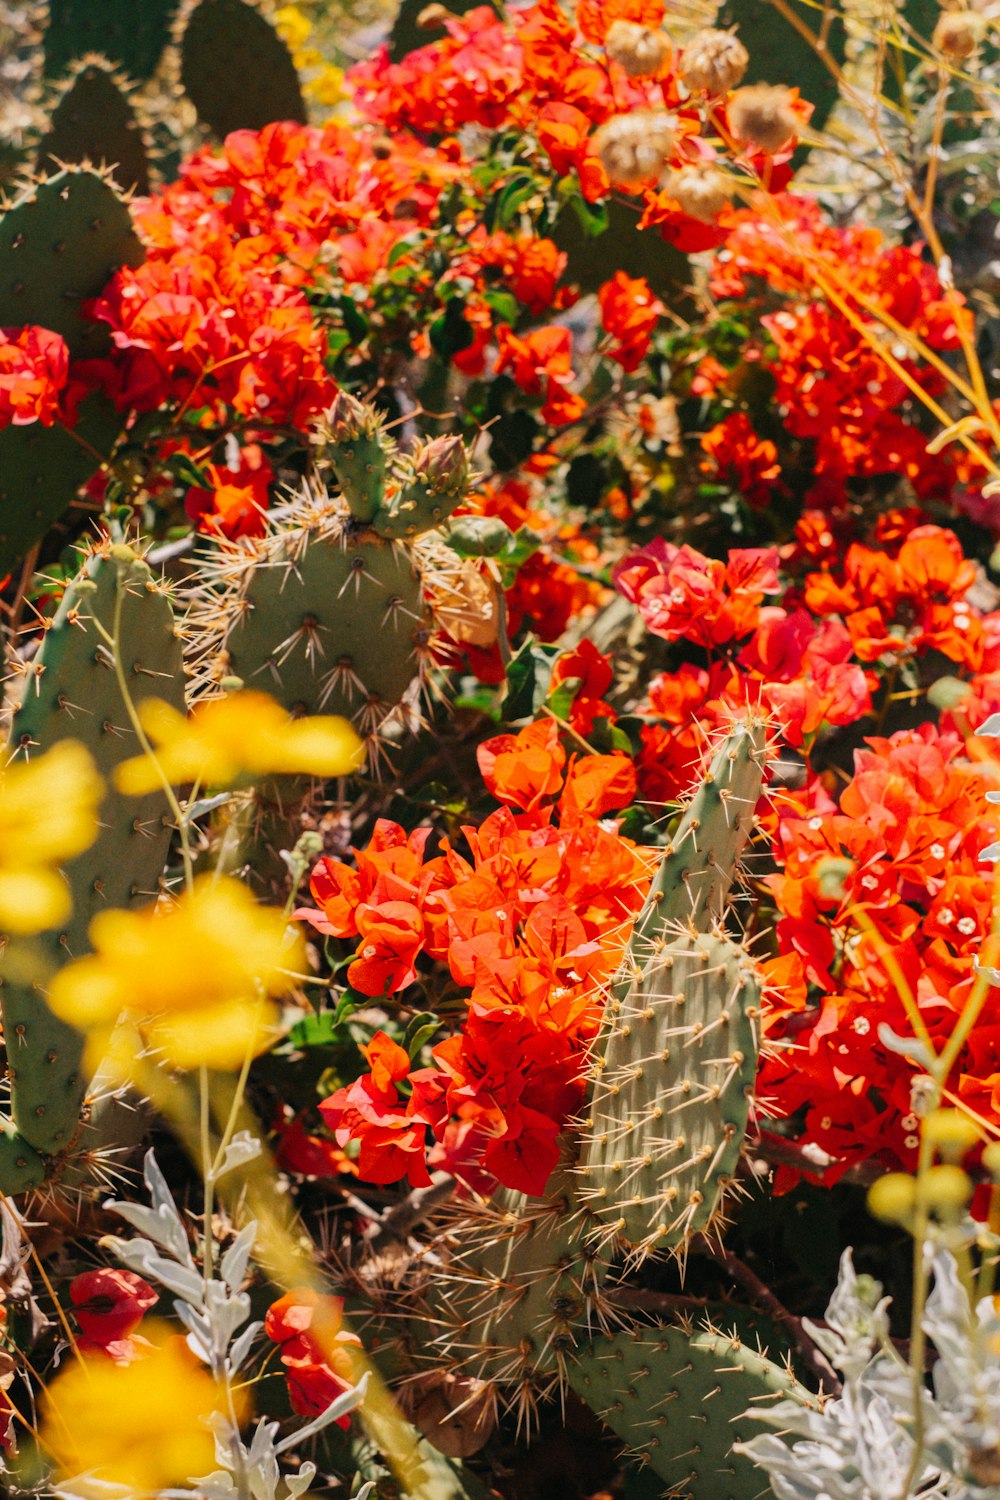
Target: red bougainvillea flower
pixel 524 769
pixel 742 459
pixel 392 1135
pixel 314 1349
pixel 629 314
pixel 306 1152
pixel 234 503
pixel 532 924
pixel 109 1306
pixel 34 370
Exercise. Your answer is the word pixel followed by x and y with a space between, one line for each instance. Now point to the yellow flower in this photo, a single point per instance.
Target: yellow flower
pixel 142 1425
pixel 327 87
pixel 292 26
pixel 241 735
pixel 193 982
pixel 48 814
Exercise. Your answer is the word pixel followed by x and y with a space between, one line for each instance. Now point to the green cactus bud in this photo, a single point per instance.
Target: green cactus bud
pixel 433 480
pixel 71 690
pixel 479 536
pixel 235 68
pixel 678 1401
pixel 354 442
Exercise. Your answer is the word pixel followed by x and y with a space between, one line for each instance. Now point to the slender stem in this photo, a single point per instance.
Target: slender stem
pixel 207 1168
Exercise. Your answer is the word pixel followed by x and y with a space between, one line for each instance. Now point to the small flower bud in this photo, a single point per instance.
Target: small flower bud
pixel 347 418
pixel 892 1198
pixel 640 50
pixel 432 17
pixel 957 34
pixel 946 1190
pixel 762 116
pixel 443 465
pixel 635 148
pixel 991 1160
pixel 701 192
pixel 951 1133
pixel 831 875
pixel 713 62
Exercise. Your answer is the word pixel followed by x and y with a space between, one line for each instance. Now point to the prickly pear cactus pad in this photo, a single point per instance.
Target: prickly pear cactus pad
pixel 41 470
pixel 320 612
pixel 674 1067
pixel 671 1102
pixel 677 1399
pixel 132 34
pixel 59 243
pixel 235 68
pixel 93 120
pixel 519 1296
pixel 71 690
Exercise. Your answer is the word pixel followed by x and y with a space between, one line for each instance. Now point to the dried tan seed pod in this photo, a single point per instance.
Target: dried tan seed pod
pixel 635 148
pixel 762 115
pixel 713 62
pixel 957 34
pixel 702 192
pixel 432 17
pixel 640 50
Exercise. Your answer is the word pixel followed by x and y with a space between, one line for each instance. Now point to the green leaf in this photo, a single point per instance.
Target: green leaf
pixel 529 675
pixel 419 1032
pixel 451 333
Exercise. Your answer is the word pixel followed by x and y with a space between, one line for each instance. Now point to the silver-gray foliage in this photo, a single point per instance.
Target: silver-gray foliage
pixel 861 1446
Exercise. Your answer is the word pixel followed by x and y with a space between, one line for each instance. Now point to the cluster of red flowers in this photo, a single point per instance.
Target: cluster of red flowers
pixel 881 887
pixel 538 69
pixel 314 1348
pixel 844 379
pixel 34 376
pixel 756 653
pixel 531 926
pixel 880 893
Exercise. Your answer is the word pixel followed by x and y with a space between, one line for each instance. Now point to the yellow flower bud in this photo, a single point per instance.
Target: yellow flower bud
pixel 892 1198
pixel 946 1190
pixel 951 1133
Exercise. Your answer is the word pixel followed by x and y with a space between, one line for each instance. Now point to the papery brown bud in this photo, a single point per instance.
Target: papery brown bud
pixel 635 148
pixel 957 34
pixel 702 192
pixel 432 17
pixel 762 116
pixel 640 50
pixel 713 62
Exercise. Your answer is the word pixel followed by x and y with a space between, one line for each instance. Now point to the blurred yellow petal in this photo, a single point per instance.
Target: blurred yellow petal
pixel 218 1036
pixel 194 977
pixel 48 814
pixel 243 735
pixel 142 1425
pixel 48 806
pixel 32 900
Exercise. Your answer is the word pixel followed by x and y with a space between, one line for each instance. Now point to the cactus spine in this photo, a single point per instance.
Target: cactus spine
pixel 71 690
